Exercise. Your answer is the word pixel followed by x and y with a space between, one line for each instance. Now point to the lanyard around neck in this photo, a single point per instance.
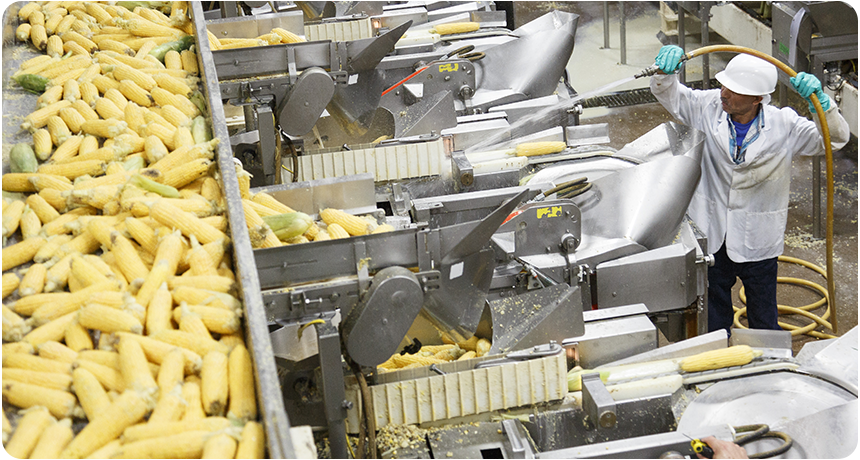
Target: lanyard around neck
pixel 739 151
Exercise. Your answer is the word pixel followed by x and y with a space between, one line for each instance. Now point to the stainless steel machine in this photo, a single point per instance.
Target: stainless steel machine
pixel 573 258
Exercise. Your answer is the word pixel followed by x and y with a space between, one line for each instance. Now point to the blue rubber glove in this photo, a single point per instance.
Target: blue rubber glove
pixel 669 58
pixel 806 84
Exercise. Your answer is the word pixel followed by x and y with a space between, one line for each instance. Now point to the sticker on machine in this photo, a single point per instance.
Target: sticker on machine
pixel 456 270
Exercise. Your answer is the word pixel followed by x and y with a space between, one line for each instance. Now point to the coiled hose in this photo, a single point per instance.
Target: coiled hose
pixel 830 293
pixel 763 431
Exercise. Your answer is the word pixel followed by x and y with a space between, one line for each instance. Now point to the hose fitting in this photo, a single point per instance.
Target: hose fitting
pixel 653 69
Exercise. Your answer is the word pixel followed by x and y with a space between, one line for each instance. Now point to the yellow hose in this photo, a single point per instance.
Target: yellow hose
pixel 825 134
pixel 809 329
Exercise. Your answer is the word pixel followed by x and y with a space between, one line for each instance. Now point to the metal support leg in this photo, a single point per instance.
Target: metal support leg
pixel 332 386
pixel 704 15
pixel 606 25
pixel 623 44
pixel 269 153
pixel 682 77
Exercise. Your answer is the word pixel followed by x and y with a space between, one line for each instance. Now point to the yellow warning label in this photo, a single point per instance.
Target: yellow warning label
pixel 552 211
pixel 450 67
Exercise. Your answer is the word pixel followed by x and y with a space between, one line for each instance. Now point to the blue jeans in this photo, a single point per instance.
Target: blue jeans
pixel 759 280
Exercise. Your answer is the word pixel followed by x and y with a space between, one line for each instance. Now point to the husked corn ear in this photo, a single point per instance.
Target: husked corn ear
pixel 539 148
pixel 14 327
pixel 21 253
pixel 39 118
pixel 286 36
pixel 26 435
pixel 194 410
pixel 52 380
pixel 77 337
pixel 10 283
pixel 54 46
pixel 242 394
pixel 135 93
pixel 737 355
pixel 109 377
pixel 24 395
pixel 185 222
pixel 92 396
pixel 85 42
pixel 104 128
pixel 352 224
pixel 157 350
pixel 252 444
pixel 42 144
pixel 214 382
pixel 54 439
pixel 220 446
pixel 335 231
pixel 456 28
pixel 189 61
pixel 125 411
pixel 73 119
pixel 407 359
pixel 34 281
pixel 117 97
pixel 104 83
pixel 135 368
pixel 108 320
pixel 169 408
pixel 107 109
pixel 172 372
pixel 22 33
pixel 163 97
pixel 51 95
pixel 57 129
pixel 38 36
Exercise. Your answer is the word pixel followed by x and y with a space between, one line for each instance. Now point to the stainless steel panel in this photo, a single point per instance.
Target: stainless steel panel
pixel 662 279
pixel 761 338
pixel 613 339
pixel 706 342
pixel 254 26
pixel 298 263
pixel 269 398
pixel 354 193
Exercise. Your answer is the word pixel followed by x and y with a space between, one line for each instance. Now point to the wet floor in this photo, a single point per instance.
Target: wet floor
pixel 593 65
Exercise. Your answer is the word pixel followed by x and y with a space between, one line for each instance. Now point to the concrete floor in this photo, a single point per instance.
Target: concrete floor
pixel 592 66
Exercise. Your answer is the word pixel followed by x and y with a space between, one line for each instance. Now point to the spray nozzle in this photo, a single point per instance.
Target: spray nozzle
pixel 653 69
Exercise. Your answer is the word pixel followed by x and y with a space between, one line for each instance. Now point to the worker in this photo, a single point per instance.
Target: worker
pixel 741 201
pixel 724 449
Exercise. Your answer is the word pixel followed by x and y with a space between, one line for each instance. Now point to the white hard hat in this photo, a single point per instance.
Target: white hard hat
pixel 749 75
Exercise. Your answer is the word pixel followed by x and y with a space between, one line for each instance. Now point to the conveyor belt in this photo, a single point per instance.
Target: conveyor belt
pixel 633 96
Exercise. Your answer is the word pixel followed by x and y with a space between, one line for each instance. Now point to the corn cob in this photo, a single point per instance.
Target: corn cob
pixel 42 145
pixel 107 109
pixel 39 118
pixel 34 281
pixel 104 83
pixel 53 440
pixel 110 378
pixel 127 410
pixel 214 382
pixel 189 61
pixel 54 46
pixel 539 148
pixel 51 380
pixel 22 32
pixel 157 350
pixel 14 327
pixel 10 283
pixel 24 395
pixel 73 120
pixel 219 446
pixel 252 443
pixel 737 355
pixel 57 351
pixel 26 435
pixel 21 253
pixel 74 48
pixel 104 128
pixel 38 36
pixel 12 217
pixel 117 97
pixel 456 28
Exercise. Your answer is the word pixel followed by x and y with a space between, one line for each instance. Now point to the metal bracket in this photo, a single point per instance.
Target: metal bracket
pixel 597 402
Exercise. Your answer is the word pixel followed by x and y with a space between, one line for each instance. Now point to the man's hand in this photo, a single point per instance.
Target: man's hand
pixel 806 84
pixel 669 58
pixel 724 449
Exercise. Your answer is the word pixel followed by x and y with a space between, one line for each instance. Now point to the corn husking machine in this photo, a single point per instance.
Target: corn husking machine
pixel 572 258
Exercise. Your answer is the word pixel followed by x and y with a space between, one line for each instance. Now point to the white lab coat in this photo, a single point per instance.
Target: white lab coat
pixel 745 205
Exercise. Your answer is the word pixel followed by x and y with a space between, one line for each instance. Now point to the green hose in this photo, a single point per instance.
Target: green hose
pixel 825 134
